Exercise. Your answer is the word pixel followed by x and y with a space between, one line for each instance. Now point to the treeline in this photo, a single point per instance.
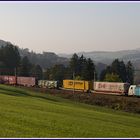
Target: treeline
pixel 80 68
pixel 84 69
pixel 11 63
pixel 118 71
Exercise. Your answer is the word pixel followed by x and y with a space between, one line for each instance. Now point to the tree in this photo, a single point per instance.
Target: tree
pixel 125 72
pixel 36 71
pixel 115 66
pixel 88 70
pixel 25 67
pixel 118 67
pixel 130 72
pixel 78 78
pixel 102 75
pixel 122 71
pixel 47 73
pixel 57 72
pixel 104 72
pixel 112 78
pixel 82 67
pixel 74 64
pixel 10 57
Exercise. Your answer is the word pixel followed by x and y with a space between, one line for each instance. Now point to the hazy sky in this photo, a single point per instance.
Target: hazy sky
pixel 68 27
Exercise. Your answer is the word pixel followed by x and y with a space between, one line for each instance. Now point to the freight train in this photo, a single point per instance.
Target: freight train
pixel 115 88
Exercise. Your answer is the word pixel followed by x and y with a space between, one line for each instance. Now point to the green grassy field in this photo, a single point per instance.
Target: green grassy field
pixel 30 114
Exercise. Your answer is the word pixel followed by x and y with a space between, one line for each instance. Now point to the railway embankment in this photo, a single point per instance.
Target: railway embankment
pixel 116 102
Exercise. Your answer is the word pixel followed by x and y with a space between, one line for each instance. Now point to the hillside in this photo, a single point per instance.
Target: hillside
pixel 45 60
pixel 104 58
pixel 100 58
pixel 3 43
pixel 107 57
pixel 30 114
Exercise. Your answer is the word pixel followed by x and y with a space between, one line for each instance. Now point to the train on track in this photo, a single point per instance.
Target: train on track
pixel 116 88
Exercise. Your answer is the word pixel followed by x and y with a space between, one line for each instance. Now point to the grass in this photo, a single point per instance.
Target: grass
pixel 31 114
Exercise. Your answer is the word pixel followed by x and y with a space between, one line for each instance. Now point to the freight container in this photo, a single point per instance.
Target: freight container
pixel 51 84
pixel 2 79
pixel 111 87
pixel 77 85
pixel 48 84
pixel 6 79
pixel 41 83
pixel 26 81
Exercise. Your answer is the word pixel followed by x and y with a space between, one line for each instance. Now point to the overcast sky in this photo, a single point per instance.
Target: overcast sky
pixel 68 27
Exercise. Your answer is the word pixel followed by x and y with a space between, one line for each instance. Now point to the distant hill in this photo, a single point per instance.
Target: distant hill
pixel 107 57
pixel 4 43
pixel 45 60
pixel 100 58
pixel 104 58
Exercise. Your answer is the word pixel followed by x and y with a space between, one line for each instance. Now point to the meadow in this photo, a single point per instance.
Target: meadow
pixel 25 113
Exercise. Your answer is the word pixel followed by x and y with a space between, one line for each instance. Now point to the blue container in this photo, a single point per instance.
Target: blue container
pixel 137 91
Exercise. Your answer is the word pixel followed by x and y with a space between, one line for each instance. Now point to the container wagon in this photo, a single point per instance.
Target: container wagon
pixel 6 79
pixel 77 85
pixel 48 84
pixel 111 87
pixel 26 81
